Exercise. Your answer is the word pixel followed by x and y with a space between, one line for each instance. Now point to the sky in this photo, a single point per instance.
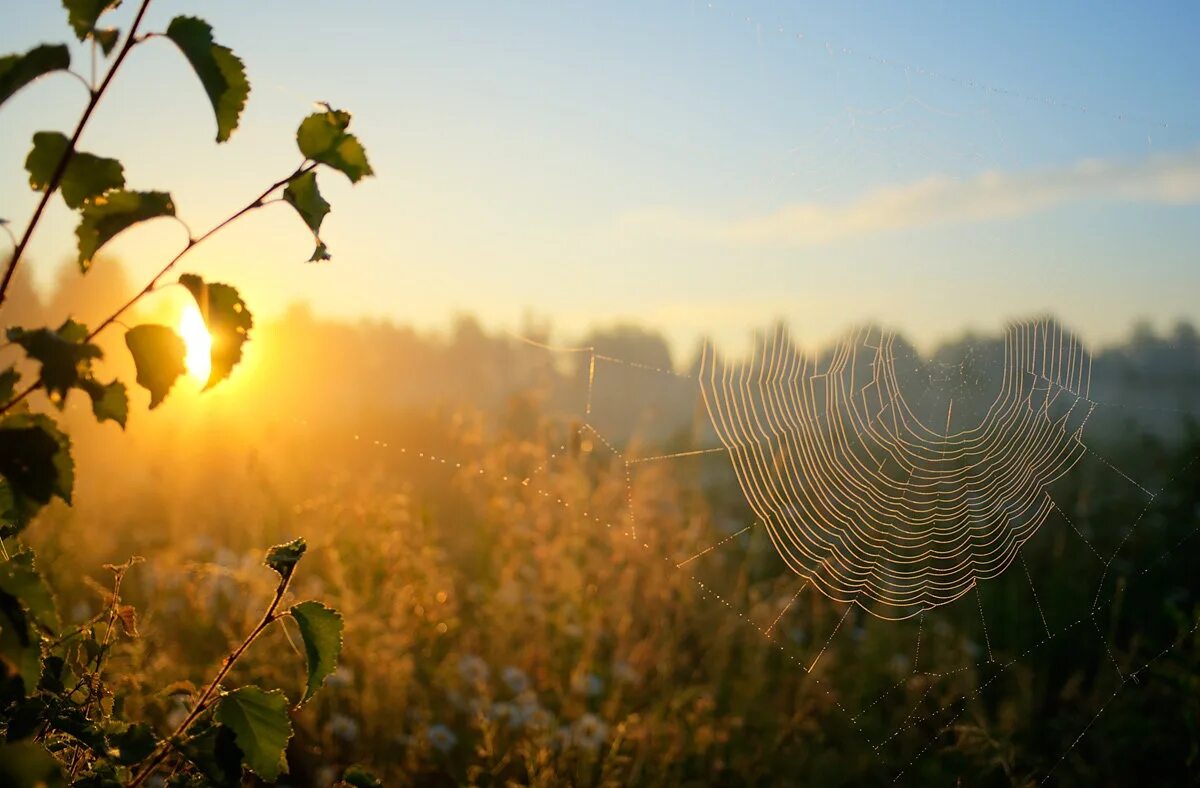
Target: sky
pixel 705 169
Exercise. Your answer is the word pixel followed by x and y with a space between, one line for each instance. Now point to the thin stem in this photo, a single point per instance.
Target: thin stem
pixel 164 747
pixel 82 80
pixel 192 243
pixel 61 169
pixel 94 681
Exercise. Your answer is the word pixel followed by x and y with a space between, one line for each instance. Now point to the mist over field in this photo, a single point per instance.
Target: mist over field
pixel 496 632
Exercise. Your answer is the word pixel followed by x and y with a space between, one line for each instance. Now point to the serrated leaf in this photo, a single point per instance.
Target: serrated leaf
pixel 83 14
pixel 158 354
pixel 261 728
pixel 35 461
pixel 303 195
pixel 31 470
pixel 85 177
pixel 65 355
pixel 220 71
pixel 9 379
pixel 215 753
pixel 284 557
pixel 20 645
pixel 29 763
pixel 320 254
pixel 321 631
pixel 228 321
pixel 109 401
pixel 322 137
pixel 107 38
pixel 54 675
pixel 17 71
pixel 20 579
pixel 110 213
pixel 133 744
pixel 70 719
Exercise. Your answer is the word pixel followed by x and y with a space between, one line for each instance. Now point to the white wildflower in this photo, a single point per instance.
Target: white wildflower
pixel 473 669
pixel 589 732
pixel 441 738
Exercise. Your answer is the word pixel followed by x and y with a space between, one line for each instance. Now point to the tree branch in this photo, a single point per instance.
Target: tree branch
pixel 192 243
pixel 60 170
pixel 164 747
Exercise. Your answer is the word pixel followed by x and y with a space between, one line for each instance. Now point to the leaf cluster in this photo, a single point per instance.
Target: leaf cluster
pixel 59 722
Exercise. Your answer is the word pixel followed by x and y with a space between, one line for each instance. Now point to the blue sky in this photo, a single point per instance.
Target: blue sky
pixel 705 168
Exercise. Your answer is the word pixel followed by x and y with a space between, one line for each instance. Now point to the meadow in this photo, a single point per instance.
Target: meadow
pixel 497 634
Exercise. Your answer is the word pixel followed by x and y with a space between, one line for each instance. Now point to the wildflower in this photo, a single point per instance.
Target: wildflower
pixel 515 678
pixel 587 684
pixel 473 669
pixel 343 727
pixel 342 677
pixel 441 738
pixel 589 732
pixel 501 712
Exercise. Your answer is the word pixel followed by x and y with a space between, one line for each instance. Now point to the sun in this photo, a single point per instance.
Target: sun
pixel 198 343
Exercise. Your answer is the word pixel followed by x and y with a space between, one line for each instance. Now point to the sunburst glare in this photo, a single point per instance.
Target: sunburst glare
pixel 198 342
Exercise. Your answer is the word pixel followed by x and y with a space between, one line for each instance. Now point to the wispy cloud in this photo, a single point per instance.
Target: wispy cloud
pixel 1168 179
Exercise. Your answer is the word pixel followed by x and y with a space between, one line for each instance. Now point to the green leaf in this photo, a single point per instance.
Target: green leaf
pixel 17 71
pixel 321 630
pixel 35 461
pixel 65 355
pixel 86 176
pixel 20 579
pixel 228 321
pixel 320 254
pixel 158 353
pixel 25 607
pixel 9 379
pixel 83 15
pixel 109 401
pixel 107 38
pixel 284 557
pixel 109 214
pixel 70 719
pixel 28 764
pixel 220 71
pixel 133 744
pixel 261 728
pixel 215 753
pixel 322 137
pixel 20 645
pixel 303 195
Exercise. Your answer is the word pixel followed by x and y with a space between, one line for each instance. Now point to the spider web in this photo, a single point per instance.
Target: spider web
pixel 865 501
pixel 898 492
pixel 1038 418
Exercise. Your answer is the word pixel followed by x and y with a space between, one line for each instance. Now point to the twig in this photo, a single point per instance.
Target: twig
pixel 192 243
pixel 61 169
pixel 164 747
